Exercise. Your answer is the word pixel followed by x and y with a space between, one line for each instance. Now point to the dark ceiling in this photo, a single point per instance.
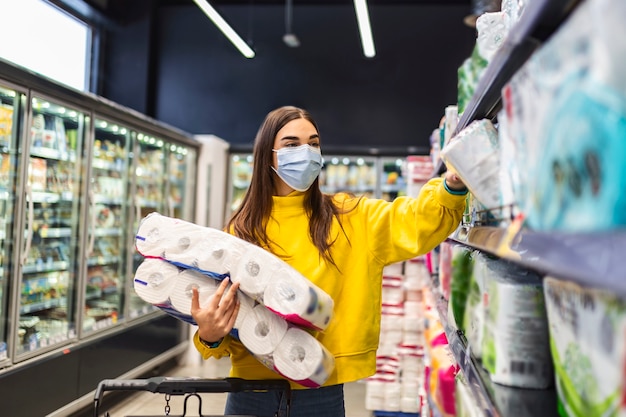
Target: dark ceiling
pixel 113 8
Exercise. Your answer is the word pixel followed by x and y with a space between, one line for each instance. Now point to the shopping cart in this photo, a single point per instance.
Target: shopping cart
pixel 190 387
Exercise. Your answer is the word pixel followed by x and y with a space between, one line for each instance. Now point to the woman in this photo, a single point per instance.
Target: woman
pixel 339 242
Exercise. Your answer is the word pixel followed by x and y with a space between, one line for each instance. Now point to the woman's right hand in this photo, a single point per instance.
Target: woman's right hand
pixel 217 319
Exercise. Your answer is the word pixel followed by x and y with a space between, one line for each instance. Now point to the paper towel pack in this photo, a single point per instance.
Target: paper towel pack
pixel 280 346
pixel 218 254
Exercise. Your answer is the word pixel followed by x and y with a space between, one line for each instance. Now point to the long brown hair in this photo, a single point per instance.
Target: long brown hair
pixel 249 220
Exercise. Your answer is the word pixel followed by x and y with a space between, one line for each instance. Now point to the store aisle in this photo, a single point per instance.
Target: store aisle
pixel 213 404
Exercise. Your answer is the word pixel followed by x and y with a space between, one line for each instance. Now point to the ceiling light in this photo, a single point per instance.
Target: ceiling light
pixel 229 32
pixel 363 19
pixel 290 39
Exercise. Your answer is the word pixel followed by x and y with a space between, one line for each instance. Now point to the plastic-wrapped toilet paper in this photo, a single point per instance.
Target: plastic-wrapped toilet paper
pixel 254 269
pixel 298 300
pixel 154 280
pixel 474 154
pixel 218 254
pixel 182 292
pixel 187 245
pixel 246 304
pixel 262 331
pixel 160 236
pixel 302 358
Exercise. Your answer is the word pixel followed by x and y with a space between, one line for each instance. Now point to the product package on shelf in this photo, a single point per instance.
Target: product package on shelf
pixel 462 264
pixel 445 269
pixel 475 305
pixel 492 29
pixel 169 288
pixel 441 369
pixel 566 109
pixel 260 274
pixel 515 340
pixel 474 155
pixel 465 403
pixel 469 74
pixel 587 333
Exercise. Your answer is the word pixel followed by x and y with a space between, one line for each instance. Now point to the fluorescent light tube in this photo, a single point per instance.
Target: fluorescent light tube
pixel 228 31
pixel 363 19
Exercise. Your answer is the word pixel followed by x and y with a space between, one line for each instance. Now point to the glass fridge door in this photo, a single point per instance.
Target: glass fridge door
pixel 181 181
pixel 351 174
pixel 240 177
pixel 392 181
pixel 107 248
pixel 50 261
pixel 149 173
pixel 12 104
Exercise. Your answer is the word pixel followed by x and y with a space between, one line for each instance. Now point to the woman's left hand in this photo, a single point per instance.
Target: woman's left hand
pixel 454 182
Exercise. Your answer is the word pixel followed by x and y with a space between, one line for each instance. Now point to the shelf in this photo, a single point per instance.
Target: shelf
pixel 494 400
pixel 42 305
pixel 589 259
pixel 538 21
pixel 45 266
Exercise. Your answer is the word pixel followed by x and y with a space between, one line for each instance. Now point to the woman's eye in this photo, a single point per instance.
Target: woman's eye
pixel 314 144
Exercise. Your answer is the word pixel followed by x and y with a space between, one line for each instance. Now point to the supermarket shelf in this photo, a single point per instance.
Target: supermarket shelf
pixel 539 20
pixel 589 259
pixel 471 370
pixel 492 399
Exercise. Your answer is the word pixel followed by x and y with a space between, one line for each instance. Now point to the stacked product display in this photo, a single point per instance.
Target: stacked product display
pixel 397 388
pixel 528 289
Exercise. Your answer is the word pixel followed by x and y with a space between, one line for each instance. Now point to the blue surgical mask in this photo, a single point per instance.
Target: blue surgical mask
pixel 299 166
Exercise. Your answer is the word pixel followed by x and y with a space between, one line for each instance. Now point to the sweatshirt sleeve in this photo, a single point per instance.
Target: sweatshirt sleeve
pixel 207 352
pixel 408 227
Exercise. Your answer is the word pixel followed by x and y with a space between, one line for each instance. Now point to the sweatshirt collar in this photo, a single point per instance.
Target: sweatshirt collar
pixel 294 200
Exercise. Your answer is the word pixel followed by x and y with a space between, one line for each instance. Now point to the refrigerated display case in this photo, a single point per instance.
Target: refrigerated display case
pixel 78 173
pixel 107 250
pixel 51 218
pixel 392 177
pixel 12 100
pixel 354 174
pixel 164 174
pixel 239 179
pixel 362 175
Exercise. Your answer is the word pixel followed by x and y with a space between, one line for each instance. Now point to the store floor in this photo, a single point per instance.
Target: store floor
pixel 143 404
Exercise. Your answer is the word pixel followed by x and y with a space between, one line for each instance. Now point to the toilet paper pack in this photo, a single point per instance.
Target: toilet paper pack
pixel 218 254
pixel 279 345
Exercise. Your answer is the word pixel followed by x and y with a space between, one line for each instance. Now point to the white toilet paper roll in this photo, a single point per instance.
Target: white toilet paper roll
pixel 154 280
pixel 186 244
pixel 182 292
pixel 246 304
pixel 218 252
pixel 303 359
pixel 162 236
pixel 262 330
pixel 293 297
pixel 253 271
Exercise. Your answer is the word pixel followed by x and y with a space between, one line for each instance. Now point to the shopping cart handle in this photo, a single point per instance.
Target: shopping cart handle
pixel 187 385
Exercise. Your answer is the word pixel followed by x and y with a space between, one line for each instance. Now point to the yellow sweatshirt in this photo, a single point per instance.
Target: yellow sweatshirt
pixel 379 233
